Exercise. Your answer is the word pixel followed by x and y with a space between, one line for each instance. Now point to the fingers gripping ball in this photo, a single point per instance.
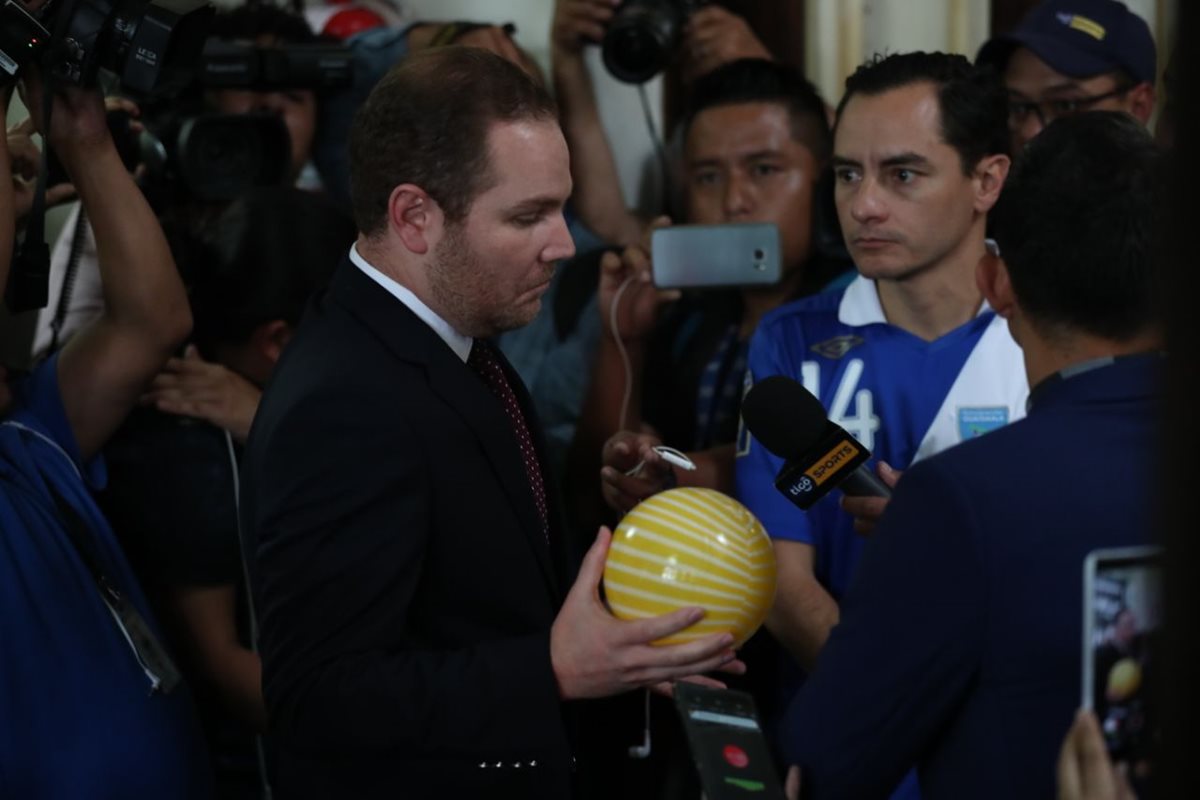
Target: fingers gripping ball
pixel 692 547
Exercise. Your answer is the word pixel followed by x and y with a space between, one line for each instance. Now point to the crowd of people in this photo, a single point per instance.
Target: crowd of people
pixel 308 489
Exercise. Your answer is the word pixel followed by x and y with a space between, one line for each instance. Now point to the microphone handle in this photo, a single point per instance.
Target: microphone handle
pixel 863 482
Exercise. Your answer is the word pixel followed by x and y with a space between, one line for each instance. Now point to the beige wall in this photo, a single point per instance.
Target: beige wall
pixel 620 106
pixel 844 33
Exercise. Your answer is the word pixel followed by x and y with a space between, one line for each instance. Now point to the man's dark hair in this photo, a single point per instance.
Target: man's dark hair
pixel 260 260
pixel 755 80
pixel 1075 225
pixel 972 102
pixel 426 123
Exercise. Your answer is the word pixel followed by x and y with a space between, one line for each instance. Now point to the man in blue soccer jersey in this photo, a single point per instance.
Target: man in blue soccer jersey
pixel 908 359
pixel 959 644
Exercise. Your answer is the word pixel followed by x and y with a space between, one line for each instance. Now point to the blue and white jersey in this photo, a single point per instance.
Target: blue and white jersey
pixel 900 396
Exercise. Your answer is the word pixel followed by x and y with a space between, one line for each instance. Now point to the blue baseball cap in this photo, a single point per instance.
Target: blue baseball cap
pixel 1080 39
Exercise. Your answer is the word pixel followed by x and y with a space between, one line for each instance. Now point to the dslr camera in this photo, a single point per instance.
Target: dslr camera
pixel 643 36
pixel 151 46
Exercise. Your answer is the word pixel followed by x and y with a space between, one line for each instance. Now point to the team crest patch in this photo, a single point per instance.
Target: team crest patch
pixel 836 347
pixel 974 422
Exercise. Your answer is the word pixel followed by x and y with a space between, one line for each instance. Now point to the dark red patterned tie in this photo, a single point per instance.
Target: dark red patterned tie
pixel 483 360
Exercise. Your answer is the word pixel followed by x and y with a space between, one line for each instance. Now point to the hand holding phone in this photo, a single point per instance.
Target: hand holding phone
pixel 1122 626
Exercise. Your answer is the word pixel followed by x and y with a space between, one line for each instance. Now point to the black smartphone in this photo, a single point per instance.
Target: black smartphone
pixel 727 743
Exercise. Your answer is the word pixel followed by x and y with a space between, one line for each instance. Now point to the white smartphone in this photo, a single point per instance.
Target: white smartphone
pixel 1122 626
pixel 740 254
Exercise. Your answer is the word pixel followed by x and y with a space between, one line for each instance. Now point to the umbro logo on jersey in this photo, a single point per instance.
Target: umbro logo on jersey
pixel 836 347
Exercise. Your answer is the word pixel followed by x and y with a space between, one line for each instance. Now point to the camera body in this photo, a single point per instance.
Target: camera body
pixel 217 157
pixel 643 36
pixel 151 46
pixel 186 152
pixel 190 153
pixel 234 65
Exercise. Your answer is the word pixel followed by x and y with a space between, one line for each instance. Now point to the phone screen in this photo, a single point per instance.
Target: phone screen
pixel 727 743
pixel 1122 648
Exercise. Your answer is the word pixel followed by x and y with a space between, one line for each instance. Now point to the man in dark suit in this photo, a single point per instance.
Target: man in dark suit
pixel 959 644
pixel 423 631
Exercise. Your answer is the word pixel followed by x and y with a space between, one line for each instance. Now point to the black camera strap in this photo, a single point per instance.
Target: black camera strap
pixel 150 654
pixel 29 278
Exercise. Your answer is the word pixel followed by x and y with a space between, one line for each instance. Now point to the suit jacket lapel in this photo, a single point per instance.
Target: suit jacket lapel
pixel 410 339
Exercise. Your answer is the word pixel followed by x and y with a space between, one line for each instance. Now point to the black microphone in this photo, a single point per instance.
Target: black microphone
pixel 818 455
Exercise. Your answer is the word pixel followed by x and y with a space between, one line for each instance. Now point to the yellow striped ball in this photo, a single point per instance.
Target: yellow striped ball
pixel 1124 679
pixel 692 547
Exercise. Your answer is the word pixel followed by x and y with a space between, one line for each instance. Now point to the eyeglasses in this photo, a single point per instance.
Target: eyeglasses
pixel 1046 111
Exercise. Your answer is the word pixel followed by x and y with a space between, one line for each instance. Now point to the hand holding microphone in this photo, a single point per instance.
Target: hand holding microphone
pixel 867 510
pixel 818 455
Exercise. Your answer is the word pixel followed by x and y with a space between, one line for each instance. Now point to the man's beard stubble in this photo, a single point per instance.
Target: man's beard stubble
pixel 465 294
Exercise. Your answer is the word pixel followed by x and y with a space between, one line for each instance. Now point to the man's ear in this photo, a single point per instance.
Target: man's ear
pixel 414 217
pixel 995 284
pixel 990 173
pixel 1140 102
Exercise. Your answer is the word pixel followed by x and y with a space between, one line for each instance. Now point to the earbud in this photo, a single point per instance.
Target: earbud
pixel 643 750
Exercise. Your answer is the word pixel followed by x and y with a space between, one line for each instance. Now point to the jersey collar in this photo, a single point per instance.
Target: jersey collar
pixel 860 304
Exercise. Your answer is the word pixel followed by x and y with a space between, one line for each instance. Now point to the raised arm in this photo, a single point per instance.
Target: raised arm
pixel 106 366
pixel 597 197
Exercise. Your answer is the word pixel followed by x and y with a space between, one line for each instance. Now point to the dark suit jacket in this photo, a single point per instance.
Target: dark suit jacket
pixel 404 586
pixel 960 643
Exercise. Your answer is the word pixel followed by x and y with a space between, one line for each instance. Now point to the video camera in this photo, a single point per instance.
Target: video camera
pixel 233 65
pixel 151 46
pixel 189 153
pixel 643 36
pixel 219 156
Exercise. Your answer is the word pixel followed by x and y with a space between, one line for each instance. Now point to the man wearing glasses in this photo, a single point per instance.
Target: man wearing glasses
pixel 1070 56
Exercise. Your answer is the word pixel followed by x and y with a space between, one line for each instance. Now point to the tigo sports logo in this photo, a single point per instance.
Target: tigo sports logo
pixel 830 463
pixel 802 486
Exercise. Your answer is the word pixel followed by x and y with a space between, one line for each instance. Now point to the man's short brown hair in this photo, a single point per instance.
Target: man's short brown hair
pixel 426 123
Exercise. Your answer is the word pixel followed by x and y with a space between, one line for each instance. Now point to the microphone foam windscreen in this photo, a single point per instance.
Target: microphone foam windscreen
pixel 784 417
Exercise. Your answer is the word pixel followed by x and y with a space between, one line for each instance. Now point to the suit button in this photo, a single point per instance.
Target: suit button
pixel 533 762
pixel 499 764
pixel 483 765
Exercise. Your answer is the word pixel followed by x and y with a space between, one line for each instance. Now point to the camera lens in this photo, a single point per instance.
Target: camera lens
pixel 641 39
pixel 759 255
pixel 633 55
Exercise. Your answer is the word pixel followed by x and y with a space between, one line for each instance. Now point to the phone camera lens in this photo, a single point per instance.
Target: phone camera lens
pixel 759 255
